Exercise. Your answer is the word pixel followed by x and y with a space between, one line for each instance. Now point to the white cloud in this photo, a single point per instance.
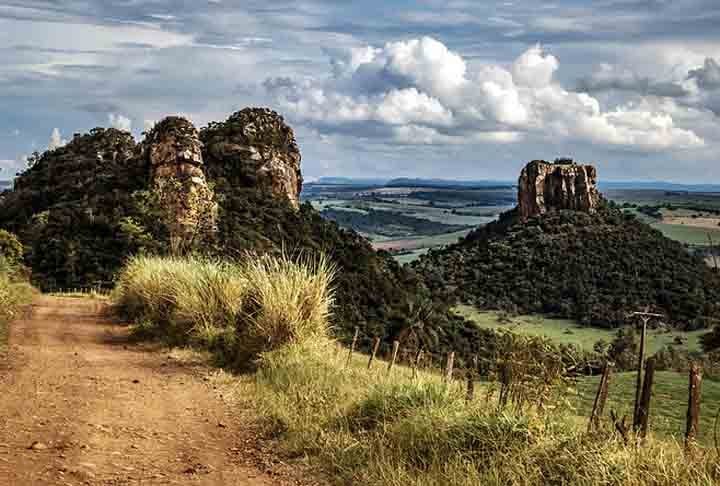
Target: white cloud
pixel 420 92
pixel 56 140
pixel 534 68
pixel 403 106
pixel 120 122
pixel 148 125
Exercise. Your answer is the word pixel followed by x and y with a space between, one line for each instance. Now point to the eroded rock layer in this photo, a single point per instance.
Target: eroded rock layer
pixel 172 151
pixel 546 186
pixel 254 148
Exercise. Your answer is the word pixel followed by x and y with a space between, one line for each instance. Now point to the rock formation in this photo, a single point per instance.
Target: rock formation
pixel 173 153
pixel 81 209
pixel 254 148
pixel 546 186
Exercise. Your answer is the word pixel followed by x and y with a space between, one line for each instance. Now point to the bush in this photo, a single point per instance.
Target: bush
pixel 237 309
pixel 10 248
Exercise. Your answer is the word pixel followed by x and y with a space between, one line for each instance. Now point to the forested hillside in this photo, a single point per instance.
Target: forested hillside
pixel 595 268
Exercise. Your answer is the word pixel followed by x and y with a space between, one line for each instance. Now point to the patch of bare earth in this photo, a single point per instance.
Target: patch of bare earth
pixel 79 405
pixel 706 223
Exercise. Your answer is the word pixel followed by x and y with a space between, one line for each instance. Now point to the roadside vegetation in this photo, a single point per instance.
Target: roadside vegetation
pixel 15 291
pixel 373 426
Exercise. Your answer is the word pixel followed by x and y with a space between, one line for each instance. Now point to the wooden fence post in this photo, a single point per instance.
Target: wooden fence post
pixel 416 363
pixel 470 395
pixel 352 347
pixel 396 348
pixel 600 398
pixel 376 345
pixel 639 381
pixel 449 367
pixel 693 411
pixel 644 408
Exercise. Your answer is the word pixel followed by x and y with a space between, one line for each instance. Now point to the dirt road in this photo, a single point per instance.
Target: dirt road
pixel 79 405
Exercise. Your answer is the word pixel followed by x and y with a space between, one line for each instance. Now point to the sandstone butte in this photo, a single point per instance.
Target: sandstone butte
pixel 547 186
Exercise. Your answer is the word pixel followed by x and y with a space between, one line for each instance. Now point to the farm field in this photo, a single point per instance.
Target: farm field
pixel 408 221
pixel 564 331
pixel 667 408
pixel 691 218
pixel 691 235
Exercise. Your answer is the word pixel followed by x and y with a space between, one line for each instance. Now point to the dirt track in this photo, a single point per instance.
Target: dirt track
pixel 108 413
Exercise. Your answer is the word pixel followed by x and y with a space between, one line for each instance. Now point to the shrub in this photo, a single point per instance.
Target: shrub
pixel 236 309
pixel 10 248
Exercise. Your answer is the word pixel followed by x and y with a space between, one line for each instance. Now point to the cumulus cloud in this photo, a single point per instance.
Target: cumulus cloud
pixel 608 77
pixel 419 91
pixel 534 68
pixel 120 122
pixel 56 140
pixel 699 88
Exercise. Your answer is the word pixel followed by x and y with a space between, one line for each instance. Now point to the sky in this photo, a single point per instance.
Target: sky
pixel 454 89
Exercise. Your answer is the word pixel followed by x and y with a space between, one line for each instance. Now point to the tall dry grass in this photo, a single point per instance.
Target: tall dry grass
pixel 364 427
pixel 238 309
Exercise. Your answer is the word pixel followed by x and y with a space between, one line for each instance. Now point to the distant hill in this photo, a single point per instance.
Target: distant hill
pixel 447 183
pixel 566 251
pixel 482 183
pixel 659 185
pixel 350 181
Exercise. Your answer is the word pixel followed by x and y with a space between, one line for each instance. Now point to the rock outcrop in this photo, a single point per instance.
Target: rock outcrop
pixel 172 151
pixel 546 186
pixel 82 209
pixel 254 148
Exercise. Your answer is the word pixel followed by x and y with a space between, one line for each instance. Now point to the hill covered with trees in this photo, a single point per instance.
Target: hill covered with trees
pixel 593 264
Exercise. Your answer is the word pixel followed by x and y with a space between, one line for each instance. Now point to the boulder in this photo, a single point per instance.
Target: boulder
pixel 546 186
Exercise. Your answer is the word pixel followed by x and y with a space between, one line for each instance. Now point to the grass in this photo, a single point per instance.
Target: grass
pixel 364 427
pixel 236 309
pixel 692 235
pixel 370 426
pixel 565 331
pixel 98 294
pixel 668 406
pixel 14 293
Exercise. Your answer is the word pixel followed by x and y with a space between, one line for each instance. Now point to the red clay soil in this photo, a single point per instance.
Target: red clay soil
pixel 79 405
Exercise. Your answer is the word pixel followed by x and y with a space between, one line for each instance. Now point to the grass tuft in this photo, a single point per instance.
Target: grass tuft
pixel 237 309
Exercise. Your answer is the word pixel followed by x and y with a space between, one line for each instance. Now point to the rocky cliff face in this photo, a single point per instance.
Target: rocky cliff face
pixel 545 186
pixel 83 208
pixel 254 148
pixel 172 152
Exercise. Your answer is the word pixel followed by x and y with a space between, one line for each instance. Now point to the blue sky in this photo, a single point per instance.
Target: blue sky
pixel 453 88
